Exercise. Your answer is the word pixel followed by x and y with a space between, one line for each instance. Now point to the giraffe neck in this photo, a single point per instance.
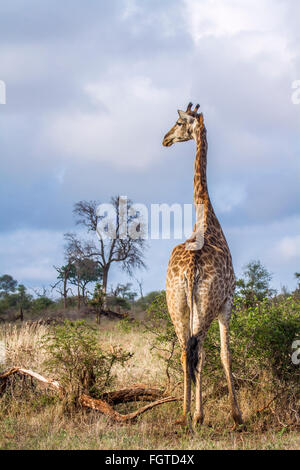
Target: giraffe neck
pixel 201 197
pixel 200 181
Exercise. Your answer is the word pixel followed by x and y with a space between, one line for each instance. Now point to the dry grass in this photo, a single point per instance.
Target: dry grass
pixel 35 420
pixel 22 344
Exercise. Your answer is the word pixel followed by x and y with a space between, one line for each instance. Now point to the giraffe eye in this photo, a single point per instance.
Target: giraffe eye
pixel 179 123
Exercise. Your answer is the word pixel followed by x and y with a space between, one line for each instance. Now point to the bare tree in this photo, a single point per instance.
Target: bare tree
pixel 128 252
pixel 85 267
pixel 140 283
pixel 40 292
pixel 297 276
pixel 64 273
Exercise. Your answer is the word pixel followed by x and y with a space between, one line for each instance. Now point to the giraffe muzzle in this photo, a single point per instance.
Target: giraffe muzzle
pixel 167 142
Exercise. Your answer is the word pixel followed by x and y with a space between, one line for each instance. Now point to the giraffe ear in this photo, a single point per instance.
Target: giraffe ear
pixel 186 117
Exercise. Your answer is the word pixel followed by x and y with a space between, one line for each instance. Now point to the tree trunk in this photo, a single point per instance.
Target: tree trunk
pixel 65 291
pixel 21 314
pixel 140 283
pixel 78 293
pixel 66 278
pixel 104 285
pixel 84 294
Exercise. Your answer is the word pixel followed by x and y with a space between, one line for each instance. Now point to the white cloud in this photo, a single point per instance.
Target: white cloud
pixel 256 29
pixel 126 131
pixel 163 16
pixel 23 61
pixel 102 98
pixel 129 10
pixel 289 247
pixel 218 18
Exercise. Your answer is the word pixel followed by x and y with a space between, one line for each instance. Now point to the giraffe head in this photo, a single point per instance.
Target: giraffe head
pixel 185 126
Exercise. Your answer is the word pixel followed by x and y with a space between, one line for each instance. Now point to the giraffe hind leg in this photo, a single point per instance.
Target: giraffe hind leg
pixel 186 413
pixel 226 362
pixel 179 313
pixel 198 358
pixel 198 417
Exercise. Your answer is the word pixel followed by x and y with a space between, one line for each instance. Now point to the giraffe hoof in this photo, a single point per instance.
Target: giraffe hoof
pixel 198 421
pixel 181 422
pixel 185 423
pixel 239 427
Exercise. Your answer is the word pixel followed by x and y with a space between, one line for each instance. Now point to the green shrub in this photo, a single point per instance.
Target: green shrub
pixel 146 301
pixel 261 339
pixel 265 333
pixel 127 324
pixel 77 360
pixel 41 304
pixel 165 343
pixel 119 302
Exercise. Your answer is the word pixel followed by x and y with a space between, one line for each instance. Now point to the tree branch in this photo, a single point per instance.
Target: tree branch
pixel 92 403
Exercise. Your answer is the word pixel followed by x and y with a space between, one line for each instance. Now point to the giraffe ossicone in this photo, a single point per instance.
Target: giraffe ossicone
pixel 200 279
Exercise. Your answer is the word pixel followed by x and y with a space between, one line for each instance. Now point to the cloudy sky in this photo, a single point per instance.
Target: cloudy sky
pixel 93 86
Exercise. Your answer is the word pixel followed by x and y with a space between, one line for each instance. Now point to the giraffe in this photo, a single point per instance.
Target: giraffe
pixel 200 280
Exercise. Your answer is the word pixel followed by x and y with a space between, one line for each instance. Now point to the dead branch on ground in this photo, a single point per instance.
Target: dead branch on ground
pixel 136 393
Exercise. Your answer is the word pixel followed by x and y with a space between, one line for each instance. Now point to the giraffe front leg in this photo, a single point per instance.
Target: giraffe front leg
pixel 199 414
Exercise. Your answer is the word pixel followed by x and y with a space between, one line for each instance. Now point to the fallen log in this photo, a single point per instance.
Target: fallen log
pixel 138 392
pixel 102 406
pixel 112 314
pixel 119 396
pixel 46 383
pixel 19 370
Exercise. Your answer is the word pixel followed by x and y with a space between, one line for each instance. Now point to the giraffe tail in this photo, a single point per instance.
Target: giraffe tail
pixel 193 356
pixel 193 341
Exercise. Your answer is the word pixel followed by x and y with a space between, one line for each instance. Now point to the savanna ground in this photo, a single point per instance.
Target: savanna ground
pixel 32 418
